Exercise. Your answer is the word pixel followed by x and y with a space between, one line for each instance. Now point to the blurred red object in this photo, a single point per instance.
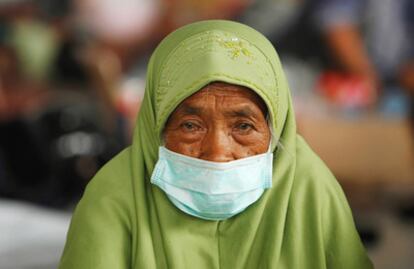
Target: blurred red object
pixel 128 103
pixel 346 90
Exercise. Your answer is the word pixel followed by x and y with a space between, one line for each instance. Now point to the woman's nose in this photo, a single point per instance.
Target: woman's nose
pixel 217 147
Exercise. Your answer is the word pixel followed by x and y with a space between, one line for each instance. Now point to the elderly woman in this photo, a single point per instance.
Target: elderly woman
pixel 216 176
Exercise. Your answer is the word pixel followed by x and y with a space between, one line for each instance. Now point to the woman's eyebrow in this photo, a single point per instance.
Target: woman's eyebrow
pixel 244 111
pixel 186 109
pixel 241 112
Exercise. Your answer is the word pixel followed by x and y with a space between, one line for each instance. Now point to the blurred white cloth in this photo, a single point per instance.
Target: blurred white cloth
pixel 119 20
pixel 30 236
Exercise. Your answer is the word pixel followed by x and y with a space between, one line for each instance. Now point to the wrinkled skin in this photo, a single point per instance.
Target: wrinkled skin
pixel 221 122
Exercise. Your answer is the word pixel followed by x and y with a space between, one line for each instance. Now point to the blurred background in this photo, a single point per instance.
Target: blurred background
pixel 72 76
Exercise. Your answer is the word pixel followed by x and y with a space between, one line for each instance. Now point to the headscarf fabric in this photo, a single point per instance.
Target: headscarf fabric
pixel 303 221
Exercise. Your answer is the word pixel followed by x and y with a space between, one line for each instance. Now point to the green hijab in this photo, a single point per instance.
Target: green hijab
pixel 303 221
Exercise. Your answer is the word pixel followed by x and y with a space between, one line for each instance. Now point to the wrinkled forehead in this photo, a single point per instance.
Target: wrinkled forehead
pixel 225 94
pixel 210 56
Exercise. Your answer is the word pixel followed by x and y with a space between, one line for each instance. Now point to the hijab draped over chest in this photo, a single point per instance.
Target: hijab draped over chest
pixel 303 221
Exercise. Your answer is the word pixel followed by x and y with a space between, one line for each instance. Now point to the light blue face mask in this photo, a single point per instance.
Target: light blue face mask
pixel 212 190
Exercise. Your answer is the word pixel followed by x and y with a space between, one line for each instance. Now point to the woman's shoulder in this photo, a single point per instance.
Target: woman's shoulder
pixel 312 175
pixel 309 166
pixel 109 193
pixel 100 232
pixel 316 190
pixel 113 179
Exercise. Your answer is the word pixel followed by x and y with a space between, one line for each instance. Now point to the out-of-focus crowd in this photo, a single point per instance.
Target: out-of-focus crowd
pixel 72 73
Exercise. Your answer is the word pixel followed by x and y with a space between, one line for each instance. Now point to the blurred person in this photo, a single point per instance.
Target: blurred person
pixel 274 18
pixel 216 176
pixel 34 40
pixel 113 37
pixel 288 25
pixel 371 40
pixel 51 140
pixel 19 94
pixel 372 46
pixel 18 97
pixel 38 32
pixel 123 26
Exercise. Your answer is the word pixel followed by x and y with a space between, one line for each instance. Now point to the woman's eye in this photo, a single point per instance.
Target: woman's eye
pixel 190 126
pixel 244 126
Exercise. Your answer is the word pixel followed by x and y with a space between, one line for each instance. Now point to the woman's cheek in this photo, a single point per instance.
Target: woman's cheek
pixel 253 138
pixel 188 149
pixel 184 143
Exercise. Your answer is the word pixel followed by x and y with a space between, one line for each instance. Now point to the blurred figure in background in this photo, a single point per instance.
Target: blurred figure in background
pixel 112 36
pixel 372 40
pixel 51 138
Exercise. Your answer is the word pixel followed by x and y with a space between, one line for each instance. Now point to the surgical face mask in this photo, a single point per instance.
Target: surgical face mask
pixel 212 190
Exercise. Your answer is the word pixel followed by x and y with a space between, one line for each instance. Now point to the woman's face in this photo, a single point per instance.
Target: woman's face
pixel 221 122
